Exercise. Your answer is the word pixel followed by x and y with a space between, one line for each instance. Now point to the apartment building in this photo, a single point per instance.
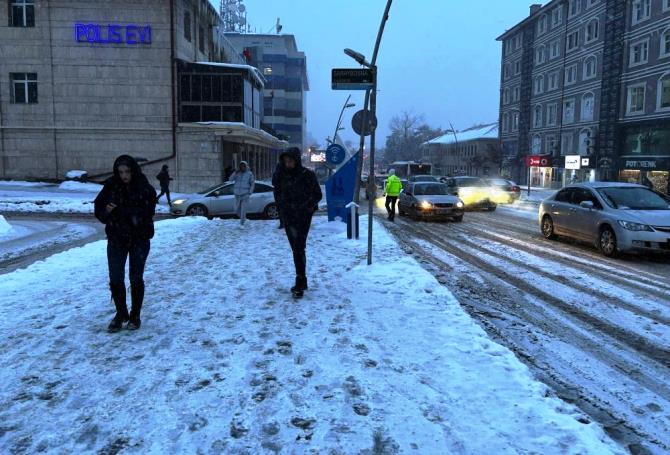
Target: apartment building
pixel 577 81
pixel 82 82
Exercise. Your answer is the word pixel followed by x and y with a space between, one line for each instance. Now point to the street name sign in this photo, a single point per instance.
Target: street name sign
pixel 352 79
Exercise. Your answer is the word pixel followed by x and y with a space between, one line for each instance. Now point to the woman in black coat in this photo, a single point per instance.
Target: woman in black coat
pixel 126 206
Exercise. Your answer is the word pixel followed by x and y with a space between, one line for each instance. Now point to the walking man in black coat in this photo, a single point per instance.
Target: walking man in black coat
pixel 297 194
pixel 275 181
pixel 164 178
pixel 126 206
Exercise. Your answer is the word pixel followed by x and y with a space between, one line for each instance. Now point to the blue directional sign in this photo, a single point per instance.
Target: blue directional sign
pixel 340 190
pixel 335 154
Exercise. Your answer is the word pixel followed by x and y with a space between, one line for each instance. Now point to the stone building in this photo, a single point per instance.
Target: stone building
pixel 82 82
pixel 586 79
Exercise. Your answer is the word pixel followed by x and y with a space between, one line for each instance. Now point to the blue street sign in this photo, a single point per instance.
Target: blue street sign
pixel 335 154
pixel 340 190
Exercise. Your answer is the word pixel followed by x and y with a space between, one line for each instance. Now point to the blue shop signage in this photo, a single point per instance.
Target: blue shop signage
pixel 112 34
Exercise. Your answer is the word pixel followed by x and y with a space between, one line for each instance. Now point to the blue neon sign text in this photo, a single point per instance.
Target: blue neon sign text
pixel 112 34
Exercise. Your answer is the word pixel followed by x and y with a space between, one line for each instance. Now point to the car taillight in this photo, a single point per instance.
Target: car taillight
pixel 516 189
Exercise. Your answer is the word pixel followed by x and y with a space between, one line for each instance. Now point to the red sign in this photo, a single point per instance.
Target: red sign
pixel 538 160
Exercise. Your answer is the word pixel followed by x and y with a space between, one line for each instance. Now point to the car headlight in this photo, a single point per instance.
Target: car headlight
pixel 426 205
pixel 460 204
pixel 635 226
pixel 179 201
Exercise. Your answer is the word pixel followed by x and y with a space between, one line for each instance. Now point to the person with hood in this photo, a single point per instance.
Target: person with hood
pixel 126 206
pixel 297 194
pixel 275 182
pixel 392 191
pixel 243 189
pixel 164 179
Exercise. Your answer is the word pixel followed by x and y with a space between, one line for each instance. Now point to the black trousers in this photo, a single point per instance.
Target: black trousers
pixel 166 192
pixel 297 230
pixel 118 252
pixel 390 205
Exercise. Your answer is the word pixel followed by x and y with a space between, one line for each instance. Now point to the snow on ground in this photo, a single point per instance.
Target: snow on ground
pixel 68 197
pixel 5 228
pixel 27 237
pixel 377 359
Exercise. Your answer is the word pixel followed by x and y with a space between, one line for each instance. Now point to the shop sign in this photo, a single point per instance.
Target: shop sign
pixel 573 162
pixel 112 34
pixel 650 164
pixel 586 162
pixel 538 161
pixel 605 163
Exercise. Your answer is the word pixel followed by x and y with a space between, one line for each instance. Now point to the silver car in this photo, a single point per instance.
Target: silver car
pixel 220 201
pixel 616 217
pixel 430 200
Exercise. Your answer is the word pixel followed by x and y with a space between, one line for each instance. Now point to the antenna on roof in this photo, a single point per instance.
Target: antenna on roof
pixel 234 16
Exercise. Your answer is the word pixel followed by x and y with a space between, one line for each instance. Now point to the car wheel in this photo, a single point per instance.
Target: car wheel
pixel 492 207
pixel 548 228
pixel 414 213
pixel 271 212
pixel 607 242
pixel 197 210
pixel 458 219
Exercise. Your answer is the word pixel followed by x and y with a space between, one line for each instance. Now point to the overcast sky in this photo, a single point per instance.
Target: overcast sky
pixel 439 58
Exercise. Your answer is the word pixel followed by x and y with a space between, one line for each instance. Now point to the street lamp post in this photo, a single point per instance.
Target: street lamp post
pixel 347 105
pixel 371 96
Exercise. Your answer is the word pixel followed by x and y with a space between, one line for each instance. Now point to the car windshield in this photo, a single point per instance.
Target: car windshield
pixel 433 189
pixel 466 182
pixel 633 198
pixel 209 190
pixel 499 182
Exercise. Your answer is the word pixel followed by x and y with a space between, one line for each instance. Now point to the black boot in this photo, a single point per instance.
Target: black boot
pixel 300 284
pixel 137 298
pixel 119 297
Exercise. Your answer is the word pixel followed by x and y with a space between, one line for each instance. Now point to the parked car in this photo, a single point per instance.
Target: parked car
pixel 430 200
pixel 423 178
pixel 220 201
pixel 475 192
pixel 504 191
pixel 616 217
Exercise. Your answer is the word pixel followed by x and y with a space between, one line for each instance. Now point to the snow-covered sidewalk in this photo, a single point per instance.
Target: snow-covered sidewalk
pixel 377 359
pixel 68 197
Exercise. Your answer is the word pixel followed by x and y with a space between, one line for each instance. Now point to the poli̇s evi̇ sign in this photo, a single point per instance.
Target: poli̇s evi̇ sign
pixel 112 34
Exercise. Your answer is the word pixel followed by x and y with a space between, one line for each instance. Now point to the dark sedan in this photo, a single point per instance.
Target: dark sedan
pixel 430 200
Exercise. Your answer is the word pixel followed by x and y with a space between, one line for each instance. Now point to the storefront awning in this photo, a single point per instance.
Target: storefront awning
pixel 239 132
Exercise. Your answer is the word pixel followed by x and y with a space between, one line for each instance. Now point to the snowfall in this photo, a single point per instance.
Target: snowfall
pixel 375 359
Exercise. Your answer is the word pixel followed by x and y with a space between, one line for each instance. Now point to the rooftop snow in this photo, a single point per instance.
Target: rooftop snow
pixel 257 74
pixel 489 131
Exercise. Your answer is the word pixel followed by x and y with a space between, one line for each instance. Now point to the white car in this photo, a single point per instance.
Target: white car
pixel 220 201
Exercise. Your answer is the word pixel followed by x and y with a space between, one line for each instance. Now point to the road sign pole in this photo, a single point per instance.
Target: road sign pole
pixel 371 175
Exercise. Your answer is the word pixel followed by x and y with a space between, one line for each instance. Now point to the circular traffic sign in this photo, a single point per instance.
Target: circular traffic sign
pixel 357 123
pixel 335 154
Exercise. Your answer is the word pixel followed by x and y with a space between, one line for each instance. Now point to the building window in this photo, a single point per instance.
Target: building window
pixel 573 40
pixel 538 85
pixel 557 16
pixel 24 88
pixel 571 75
pixel 636 94
pixel 569 111
pixel 553 81
pixel 516 94
pixel 22 13
pixel 551 144
pixel 542 25
pixel 201 39
pixel 554 49
pixel 566 144
pixel 592 30
pixel 664 92
pixel 666 5
pixel 517 42
pixel 536 144
pixel 641 10
pixel 537 117
pixel 639 53
pixel 508 47
pixel 515 121
pixel 552 114
pixel 517 67
pixel 574 6
pixel 665 43
pixel 588 101
pixel 584 142
pixel 506 96
pixel 590 67
pixel 506 71
pixel 267 70
pixel 539 55
pixel 187 26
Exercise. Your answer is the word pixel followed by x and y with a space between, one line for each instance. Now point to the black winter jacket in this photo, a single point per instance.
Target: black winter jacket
pixel 297 191
pixel 136 204
pixel 164 178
